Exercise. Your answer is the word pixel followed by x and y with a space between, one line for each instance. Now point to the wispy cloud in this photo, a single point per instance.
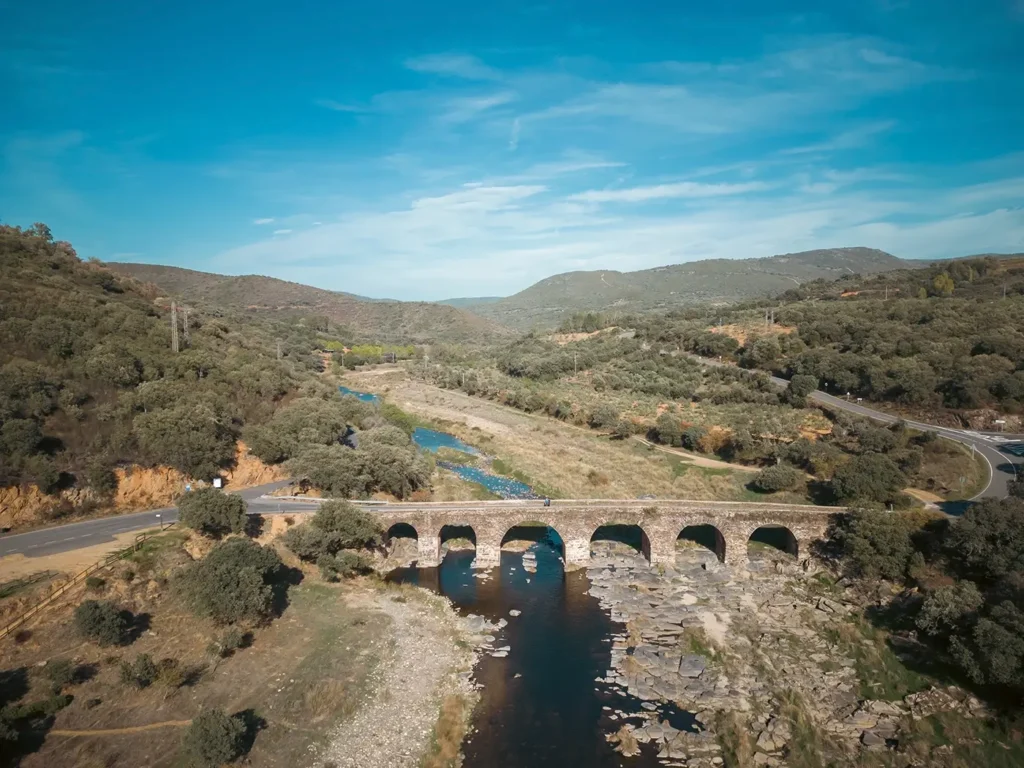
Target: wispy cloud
pixel 513 138
pixel 454 65
pixel 337 106
pixel 282 231
pixel 684 189
pixel 848 139
pixel 263 221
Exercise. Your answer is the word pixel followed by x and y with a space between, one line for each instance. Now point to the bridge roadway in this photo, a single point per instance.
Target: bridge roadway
pixel 576 521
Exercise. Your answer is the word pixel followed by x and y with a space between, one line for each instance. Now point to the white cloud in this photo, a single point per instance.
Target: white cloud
pixel 848 139
pixel 282 231
pixel 513 139
pixel 660 191
pixel 498 239
pixel 454 65
pixel 263 221
pixel 337 106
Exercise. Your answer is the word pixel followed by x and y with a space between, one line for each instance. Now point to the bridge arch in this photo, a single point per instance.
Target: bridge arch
pixel 456 535
pixel 773 538
pixel 706 536
pixel 630 534
pixel 401 531
pixel 536 531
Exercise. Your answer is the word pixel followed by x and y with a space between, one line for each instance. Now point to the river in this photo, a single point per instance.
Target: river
pixel 540 706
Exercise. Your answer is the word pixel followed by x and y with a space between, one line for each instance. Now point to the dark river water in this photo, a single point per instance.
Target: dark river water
pixel 540 706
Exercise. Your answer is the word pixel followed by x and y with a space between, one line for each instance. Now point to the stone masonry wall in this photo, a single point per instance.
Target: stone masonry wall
pixel 576 523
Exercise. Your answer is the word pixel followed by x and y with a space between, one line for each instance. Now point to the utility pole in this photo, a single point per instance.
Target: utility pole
pixel 174 327
pixel 184 325
pixel 886 291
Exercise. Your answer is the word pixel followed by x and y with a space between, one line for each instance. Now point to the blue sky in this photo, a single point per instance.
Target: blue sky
pixel 426 150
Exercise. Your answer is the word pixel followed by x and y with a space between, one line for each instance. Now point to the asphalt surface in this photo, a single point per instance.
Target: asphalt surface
pixel 88 533
pixel 1003 465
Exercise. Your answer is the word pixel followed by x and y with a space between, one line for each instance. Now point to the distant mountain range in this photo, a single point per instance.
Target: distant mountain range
pixel 725 281
pixel 372 319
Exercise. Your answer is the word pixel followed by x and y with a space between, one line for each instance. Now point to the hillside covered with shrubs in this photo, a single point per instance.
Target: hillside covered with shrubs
pixel 89 380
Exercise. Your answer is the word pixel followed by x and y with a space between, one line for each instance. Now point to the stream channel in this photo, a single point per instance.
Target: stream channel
pixel 540 705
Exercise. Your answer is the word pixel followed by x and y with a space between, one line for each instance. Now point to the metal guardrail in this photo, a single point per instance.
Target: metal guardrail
pixel 58 590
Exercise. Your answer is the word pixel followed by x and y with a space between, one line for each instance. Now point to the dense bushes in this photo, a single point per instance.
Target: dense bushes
pixel 238 581
pixel 88 379
pixel 779 477
pixel 304 422
pixel 972 573
pixel 358 472
pixel 103 622
pixel 330 536
pixel 870 477
pixel 212 512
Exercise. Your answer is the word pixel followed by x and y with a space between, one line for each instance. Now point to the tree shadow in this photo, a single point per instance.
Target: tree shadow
pixel 84 673
pixel 820 492
pixel 254 525
pixel 287 577
pixel 13 685
pixel 138 623
pixel 253 725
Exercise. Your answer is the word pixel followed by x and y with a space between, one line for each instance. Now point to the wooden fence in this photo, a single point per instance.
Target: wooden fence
pixel 58 590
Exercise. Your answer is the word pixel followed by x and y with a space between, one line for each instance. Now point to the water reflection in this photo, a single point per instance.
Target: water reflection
pixel 539 706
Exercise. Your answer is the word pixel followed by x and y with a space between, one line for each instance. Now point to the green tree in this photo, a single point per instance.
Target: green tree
pixel 192 439
pixel 987 542
pixel 212 512
pixel 603 416
pixel 337 525
pixel 876 544
pixel 213 739
pixel 869 477
pixel 780 477
pixel 103 622
pixel 946 609
pixel 236 582
pixel 943 285
pixel 669 430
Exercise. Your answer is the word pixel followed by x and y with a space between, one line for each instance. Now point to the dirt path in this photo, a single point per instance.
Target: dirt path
pixel 393 726
pixel 700 461
pixel 122 731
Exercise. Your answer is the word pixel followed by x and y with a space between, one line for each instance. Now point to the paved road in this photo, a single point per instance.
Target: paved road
pixel 62 538
pixel 1003 466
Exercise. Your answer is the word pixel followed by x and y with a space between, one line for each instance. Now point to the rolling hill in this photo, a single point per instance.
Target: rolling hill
pixel 714 281
pixel 367 319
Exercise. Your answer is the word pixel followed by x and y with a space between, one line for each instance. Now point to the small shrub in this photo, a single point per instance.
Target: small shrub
pixel 597 478
pixel 780 477
pixel 37 710
pixel 212 512
pixel 140 674
pixel 127 575
pixel 103 622
pixel 342 565
pixel 95 583
pixel 61 672
pixel 170 673
pixel 212 739
pixel 231 641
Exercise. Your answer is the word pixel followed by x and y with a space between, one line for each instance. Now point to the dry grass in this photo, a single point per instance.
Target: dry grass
pixel 626 741
pixel 735 739
pixel 556 456
pixel 325 698
pixel 452 723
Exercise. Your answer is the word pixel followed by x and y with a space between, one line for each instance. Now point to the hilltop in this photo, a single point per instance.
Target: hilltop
pixel 726 281
pixel 363 318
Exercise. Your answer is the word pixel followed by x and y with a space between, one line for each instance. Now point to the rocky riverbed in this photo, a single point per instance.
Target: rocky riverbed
pixel 754 654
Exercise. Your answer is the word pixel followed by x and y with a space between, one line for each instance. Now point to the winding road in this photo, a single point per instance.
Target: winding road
pixel 1004 467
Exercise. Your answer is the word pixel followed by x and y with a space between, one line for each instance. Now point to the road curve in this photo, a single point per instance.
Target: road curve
pixel 1003 466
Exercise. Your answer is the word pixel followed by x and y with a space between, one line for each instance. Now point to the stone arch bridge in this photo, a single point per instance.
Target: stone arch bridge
pixel 576 522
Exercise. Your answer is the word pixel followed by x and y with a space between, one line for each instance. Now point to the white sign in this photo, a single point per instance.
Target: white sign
pixel 218 482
